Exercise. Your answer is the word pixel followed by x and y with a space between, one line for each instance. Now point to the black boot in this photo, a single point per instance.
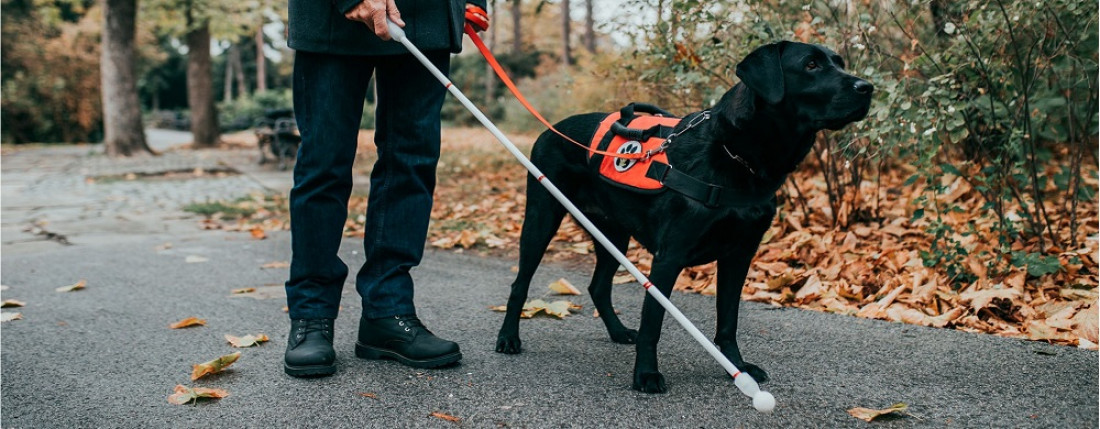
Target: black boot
pixel 406 340
pixel 309 348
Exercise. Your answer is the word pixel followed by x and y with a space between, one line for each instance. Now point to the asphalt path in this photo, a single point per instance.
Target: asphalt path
pixel 105 357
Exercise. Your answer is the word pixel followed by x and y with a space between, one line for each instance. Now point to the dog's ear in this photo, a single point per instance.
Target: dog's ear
pixel 762 72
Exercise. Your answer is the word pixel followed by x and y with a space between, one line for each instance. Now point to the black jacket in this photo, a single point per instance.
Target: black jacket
pixel 320 26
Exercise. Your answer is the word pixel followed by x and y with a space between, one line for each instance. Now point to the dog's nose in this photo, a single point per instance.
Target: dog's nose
pixel 863 87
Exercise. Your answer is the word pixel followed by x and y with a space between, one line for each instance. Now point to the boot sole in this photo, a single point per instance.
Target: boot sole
pixel 367 352
pixel 309 370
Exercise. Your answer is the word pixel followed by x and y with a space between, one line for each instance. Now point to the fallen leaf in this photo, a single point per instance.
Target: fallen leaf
pixel 164 246
pixel 980 299
pixel 188 322
pixel 243 290
pixel 368 395
pixel 1088 324
pixel 8 317
pixel 7 303
pixel 73 287
pixel 194 259
pixel 811 290
pixel 286 309
pixel 563 287
pixel 558 309
pixel 258 232
pixel 279 264
pixel 246 341
pixel 186 394
pixel 867 414
pixel 446 417
pixel 214 366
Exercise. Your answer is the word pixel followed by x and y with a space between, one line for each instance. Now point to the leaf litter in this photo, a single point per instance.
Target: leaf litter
pixel 864 266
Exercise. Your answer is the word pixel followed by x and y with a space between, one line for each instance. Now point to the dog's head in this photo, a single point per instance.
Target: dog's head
pixel 808 82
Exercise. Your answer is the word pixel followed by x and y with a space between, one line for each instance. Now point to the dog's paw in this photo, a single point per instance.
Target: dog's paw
pixel 650 382
pixel 756 372
pixel 625 336
pixel 509 344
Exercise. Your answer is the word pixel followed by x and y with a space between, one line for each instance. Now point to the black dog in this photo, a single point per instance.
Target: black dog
pixel 751 140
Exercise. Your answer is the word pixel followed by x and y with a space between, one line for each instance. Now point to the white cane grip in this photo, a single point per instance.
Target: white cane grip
pixel 395 32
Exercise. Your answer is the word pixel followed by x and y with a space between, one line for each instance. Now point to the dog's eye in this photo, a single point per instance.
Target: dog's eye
pixel 812 65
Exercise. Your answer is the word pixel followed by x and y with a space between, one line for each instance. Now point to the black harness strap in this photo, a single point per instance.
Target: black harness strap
pixel 710 195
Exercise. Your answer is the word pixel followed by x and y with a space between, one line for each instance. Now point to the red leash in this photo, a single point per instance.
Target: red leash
pixel 523 100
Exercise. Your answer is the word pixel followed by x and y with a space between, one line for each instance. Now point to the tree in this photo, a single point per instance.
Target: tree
pixel 124 134
pixel 517 33
pixel 490 76
pixel 567 52
pixel 589 28
pixel 261 63
pixel 200 85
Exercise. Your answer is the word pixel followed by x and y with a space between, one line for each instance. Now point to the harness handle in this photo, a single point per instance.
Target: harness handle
pixel 627 112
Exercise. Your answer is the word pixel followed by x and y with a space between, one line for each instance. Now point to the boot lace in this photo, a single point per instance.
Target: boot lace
pixel 307 326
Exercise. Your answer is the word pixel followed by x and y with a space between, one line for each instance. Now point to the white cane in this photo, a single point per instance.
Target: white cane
pixel 761 400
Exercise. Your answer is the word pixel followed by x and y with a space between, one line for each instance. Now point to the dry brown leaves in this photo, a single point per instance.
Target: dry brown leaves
pixel 868 269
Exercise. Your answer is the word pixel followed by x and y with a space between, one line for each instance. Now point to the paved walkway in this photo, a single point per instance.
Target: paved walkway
pixel 104 357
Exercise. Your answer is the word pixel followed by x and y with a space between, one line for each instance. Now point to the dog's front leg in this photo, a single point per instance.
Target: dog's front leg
pixel 731 278
pixel 647 378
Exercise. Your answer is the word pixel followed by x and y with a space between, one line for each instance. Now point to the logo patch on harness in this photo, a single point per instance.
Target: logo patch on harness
pixel 639 134
pixel 630 147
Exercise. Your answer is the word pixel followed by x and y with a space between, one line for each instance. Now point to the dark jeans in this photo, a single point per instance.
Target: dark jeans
pixel 329 91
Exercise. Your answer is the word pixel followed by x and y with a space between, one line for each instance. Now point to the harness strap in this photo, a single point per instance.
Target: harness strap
pixel 710 195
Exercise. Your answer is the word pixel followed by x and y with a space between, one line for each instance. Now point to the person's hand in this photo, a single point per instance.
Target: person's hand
pixel 374 14
pixel 476 17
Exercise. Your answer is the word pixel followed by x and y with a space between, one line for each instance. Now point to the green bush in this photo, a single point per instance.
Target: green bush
pixel 243 112
pixel 1002 94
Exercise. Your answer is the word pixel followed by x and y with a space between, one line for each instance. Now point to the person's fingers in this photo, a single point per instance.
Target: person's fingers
pixel 380 27
pixel 394 14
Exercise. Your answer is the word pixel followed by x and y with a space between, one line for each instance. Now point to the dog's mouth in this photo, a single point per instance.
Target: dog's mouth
pixel 855 115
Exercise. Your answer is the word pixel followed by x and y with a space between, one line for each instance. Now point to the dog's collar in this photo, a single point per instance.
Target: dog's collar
pixel 739 160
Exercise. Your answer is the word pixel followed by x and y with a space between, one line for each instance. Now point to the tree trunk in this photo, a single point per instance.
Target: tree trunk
pixel 124 134
pixel 566 51
pixel 200 91
pixel 261 61
pixel 490 76
pixel 589 27
pixel 227 94
pixel 517 33
pixel 238 69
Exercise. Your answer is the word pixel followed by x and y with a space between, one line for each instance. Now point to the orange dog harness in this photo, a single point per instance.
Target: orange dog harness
pixel 627 134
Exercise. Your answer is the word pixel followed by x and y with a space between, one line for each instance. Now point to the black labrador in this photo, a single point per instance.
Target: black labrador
pixel 751 140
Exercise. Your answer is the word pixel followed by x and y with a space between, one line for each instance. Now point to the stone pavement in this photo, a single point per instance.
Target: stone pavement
pixel 86 197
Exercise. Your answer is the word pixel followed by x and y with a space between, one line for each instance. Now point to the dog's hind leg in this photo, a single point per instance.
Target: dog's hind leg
pixel 542 218
pixel 600 288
